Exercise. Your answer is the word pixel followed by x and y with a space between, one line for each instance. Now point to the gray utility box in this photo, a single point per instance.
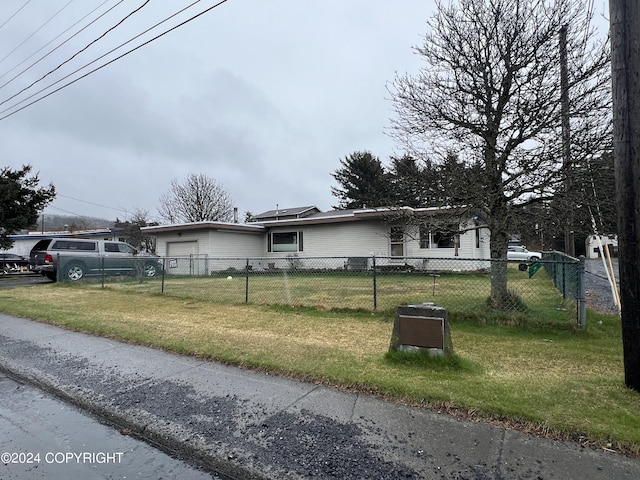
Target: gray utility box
pixel 422 328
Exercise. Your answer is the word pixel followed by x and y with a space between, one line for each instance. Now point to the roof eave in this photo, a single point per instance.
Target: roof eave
pixel 226 226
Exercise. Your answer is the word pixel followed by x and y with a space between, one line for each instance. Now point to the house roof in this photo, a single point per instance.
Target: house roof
pixel 283 213
pixel 312 216
pixel 337 216
pixel 219 226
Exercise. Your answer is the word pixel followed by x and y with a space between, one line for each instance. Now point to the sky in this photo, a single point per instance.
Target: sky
pixel 265 97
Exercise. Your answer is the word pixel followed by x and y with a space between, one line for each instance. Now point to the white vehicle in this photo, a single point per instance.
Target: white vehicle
pixel 518 253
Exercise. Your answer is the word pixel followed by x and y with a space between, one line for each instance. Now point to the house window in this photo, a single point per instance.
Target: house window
pixel 445 238
pixel 397 241
pixel 425 237
pixel 285 242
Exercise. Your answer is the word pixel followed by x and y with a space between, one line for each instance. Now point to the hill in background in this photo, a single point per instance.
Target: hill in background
pixel 71 223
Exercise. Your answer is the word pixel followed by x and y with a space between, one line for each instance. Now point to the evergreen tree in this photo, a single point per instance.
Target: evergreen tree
pixel 411 184
pixel 21 201
pixel 363 182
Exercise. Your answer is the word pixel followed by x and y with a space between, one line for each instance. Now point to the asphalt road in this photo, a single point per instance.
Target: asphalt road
pixel 43 437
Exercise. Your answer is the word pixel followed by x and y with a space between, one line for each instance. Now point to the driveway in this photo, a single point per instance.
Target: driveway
pixel 599 292
pixel 22 280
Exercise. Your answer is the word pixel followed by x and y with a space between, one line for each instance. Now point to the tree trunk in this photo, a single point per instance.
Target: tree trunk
pixel 498 221
pixel 499 292
pixel 625 42
pixel 499 298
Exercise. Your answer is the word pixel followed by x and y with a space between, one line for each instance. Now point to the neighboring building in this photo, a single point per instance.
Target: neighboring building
pixel 394 235
pixel 286 214
pixel 607 241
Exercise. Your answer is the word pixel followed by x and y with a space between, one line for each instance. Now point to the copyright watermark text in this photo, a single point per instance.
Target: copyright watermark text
pixel 61 457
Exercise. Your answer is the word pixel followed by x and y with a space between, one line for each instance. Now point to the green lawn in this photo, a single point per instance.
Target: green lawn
pixel 531 370
pixel 462 294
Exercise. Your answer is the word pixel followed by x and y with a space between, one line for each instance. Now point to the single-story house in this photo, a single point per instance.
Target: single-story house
pixel 395 236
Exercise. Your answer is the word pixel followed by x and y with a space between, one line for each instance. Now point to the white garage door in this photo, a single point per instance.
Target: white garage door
pixel 182 249
pixel 182 258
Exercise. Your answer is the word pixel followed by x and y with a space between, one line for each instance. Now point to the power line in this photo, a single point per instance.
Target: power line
pixel 65 211
pixel 109 62
pixel 36 31
pixel 60 45
pixel 16 13
pixel 92 203
pixel 75 54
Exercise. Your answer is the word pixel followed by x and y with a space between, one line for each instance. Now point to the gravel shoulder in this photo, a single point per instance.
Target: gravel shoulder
pixel 598 287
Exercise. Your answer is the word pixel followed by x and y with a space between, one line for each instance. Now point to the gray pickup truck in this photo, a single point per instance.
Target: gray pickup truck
pixel 76 258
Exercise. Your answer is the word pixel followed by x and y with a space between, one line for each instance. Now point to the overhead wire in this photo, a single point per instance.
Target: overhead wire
pixel 75 214
pixel 65 211
pixel 77 53
pixel 15 13
pixel 111 61
pixel 60 45
pixel 36 31
pixel 92 203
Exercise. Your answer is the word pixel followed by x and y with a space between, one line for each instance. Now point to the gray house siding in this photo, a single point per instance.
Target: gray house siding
pixel 334 234
pixel 338 240
pixel 200 252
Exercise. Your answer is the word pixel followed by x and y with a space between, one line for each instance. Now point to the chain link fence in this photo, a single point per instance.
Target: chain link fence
pixel 567 275
pixel 359 283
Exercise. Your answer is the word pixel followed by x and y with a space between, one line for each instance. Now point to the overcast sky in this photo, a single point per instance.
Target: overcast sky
pixel 265 97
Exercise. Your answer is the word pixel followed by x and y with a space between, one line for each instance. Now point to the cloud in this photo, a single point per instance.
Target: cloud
pixel 265 97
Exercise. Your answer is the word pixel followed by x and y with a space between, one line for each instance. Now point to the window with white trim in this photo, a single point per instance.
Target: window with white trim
pixel 396 242
pixel 443 237
pixel 425 237
pixel 285 242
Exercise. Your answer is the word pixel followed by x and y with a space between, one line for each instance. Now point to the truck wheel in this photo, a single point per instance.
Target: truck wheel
pixel 150 270
pixel 74 271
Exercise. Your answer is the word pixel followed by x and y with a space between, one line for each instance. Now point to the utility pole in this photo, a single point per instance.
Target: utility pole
pixel 625 73
pixel 569 240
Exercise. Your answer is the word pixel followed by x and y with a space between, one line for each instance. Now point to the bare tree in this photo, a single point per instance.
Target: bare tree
pixel 490 89
pixel 198 199
pixel 130 230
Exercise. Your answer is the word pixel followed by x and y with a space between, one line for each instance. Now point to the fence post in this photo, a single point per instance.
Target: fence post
pixel 102 270
pixel 564 278
pixel 582 295
pixel 164 269
pixel 246 282
pixel 375 284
